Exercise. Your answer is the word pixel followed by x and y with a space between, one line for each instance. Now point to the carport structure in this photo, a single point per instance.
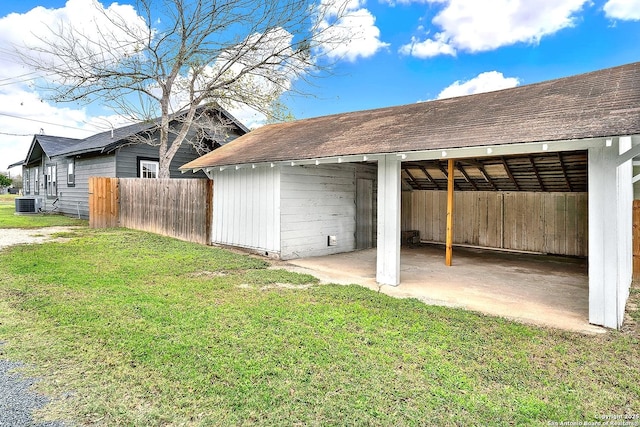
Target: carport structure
pixel 569 135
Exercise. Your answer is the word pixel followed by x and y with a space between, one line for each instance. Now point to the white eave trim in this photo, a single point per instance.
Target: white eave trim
pixel 437 154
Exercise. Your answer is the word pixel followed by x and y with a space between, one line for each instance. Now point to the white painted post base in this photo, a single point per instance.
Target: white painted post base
pixel 388 251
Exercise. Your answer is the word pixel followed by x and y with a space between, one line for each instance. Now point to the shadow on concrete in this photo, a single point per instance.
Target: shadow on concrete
pixel 543 290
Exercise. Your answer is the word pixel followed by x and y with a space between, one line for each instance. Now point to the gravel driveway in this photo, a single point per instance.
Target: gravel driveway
pixel 17 236
pixel 17 400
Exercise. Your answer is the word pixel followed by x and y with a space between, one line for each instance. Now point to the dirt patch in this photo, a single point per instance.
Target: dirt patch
pixel 20 236
pixel 277 286
pixel 208 274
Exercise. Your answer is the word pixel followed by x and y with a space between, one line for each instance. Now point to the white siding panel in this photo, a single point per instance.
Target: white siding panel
pixel 317 202
pixel 246 209
pixel 610 232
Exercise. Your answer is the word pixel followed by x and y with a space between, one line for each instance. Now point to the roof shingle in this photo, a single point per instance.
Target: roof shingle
pixel 598 104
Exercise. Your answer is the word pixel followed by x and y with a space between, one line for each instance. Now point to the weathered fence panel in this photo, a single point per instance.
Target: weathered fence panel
pixel 171 207
pixel 636 240
pixel 103 202
pixel 179 208
pixel 554 223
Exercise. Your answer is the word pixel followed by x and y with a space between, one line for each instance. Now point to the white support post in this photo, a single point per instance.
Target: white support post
pixel 388 251
pixel 610 233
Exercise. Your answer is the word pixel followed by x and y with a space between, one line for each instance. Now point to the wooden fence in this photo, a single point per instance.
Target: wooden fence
pixel 554 223
pixel 103 202
pixel 636 240
pixel 179 208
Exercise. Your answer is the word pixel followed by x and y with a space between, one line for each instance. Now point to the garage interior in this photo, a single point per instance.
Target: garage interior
pixel 520 236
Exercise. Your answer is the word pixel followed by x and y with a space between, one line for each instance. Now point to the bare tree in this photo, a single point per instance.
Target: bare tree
pixel 178 55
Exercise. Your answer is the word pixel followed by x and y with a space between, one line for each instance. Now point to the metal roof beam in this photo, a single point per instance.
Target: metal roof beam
pixel 564 171
pixel 537 174
pixel 411 177
pixel 429 177
pixel 511 177
pixel 466 177
pixel 446 174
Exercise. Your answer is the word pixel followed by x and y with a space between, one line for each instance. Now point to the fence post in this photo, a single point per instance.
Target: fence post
pixel 636 240
pixel 209 216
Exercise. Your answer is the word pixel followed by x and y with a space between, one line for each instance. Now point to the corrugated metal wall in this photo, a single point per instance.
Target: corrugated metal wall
pixel 554 223
pixel 246 209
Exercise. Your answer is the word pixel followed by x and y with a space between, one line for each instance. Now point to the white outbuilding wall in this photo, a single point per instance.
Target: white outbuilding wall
pixel 246 209
pixel 288 211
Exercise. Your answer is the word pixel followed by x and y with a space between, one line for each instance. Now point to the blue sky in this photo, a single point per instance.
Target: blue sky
pixel 408 51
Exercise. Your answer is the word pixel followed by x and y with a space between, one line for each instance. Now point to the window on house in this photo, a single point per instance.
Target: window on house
pixel 36 181
pixel 51 184
pixel 149 169
pixel 26 183
pixel 71 173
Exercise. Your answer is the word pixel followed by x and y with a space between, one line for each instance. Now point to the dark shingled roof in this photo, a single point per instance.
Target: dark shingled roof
pixel 103 142
pixel 51 145
pixel 106 142
pixel 598 104
pixel 54 145
pixel 109 140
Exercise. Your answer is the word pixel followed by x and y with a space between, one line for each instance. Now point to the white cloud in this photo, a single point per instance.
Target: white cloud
pixel 347 30
pixel 427 48
pixel 476 26
pixel 23 112
pixel 116 26
pixel 483 82
pixel 623 9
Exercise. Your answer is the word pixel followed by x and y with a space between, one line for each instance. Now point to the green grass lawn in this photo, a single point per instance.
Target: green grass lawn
pixel 8 219
pixel 129 328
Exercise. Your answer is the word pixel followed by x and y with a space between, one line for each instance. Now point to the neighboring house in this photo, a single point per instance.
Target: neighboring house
pixel 333 184
pixel 57 169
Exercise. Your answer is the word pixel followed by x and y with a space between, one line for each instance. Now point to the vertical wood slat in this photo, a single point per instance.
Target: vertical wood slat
pixel 103 202
pixel 636 239
pixel 555 223
pixel 180 208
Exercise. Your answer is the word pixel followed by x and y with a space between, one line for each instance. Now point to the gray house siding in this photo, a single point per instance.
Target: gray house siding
pixel 128 157
pixel 37 184
pixel 74 199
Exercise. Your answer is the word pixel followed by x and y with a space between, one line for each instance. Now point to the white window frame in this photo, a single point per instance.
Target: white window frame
pixel 71 173
pixel 36 181
pixel 52 185
pixel 149 169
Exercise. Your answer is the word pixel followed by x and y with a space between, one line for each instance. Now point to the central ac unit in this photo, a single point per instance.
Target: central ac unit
pixel 26 205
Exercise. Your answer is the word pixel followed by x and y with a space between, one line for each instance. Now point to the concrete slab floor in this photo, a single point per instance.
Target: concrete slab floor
pixel 537 289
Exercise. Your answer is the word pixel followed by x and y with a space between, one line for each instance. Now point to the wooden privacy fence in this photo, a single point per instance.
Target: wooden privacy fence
pixel 636 240
pixel 103 202
pixel 554 223
pixel 179 208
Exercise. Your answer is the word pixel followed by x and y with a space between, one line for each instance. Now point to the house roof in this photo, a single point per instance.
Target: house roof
pixel 50 145
pixel 108 141
pixel 598 104
pixel 103 142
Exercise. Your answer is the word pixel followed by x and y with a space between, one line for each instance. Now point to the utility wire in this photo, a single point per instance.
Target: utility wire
pixel 16 134
pixel 42 121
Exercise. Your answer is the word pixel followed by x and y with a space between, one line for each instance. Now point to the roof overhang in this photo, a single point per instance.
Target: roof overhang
pixel 16 164
pixel 437 154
